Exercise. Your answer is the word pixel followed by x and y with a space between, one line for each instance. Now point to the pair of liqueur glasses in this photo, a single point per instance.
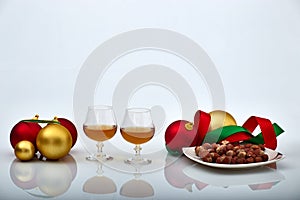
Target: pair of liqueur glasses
pixel 101 125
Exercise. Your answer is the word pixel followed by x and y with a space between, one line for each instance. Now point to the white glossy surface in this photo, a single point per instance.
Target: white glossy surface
pixel 254 45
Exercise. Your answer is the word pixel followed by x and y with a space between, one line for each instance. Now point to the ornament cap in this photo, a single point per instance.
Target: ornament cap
pixel 55 119
pixel 189 126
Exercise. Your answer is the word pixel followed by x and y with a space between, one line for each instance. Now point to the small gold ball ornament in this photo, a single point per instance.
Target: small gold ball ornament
pixel 54 141
pixel 24 150
pixel 220 119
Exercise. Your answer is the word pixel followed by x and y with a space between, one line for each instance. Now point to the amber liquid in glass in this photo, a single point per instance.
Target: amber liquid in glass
pixel 137 135
pixel 100 132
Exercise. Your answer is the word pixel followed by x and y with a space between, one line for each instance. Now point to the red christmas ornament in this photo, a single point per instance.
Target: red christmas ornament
pixel 183 133
pixel 180 134
pixel 24 131
pixel 71 128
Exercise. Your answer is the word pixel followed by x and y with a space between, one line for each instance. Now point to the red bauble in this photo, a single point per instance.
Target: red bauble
pixel 180 134
pixel 24 131
pixel 71 128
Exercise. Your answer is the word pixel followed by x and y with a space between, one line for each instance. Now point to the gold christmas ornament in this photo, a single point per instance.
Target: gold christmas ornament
pixel 54 141
pixel 24 150
pixel 220 119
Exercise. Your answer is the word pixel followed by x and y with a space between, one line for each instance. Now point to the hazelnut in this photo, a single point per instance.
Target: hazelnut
pixel 225 142
pixel 241 154
pixel 214 146
pixel 220 159
pixel 230 153
pixel 250 154
pixel 229 146
pixel 250 160
pixel 233 160
pixel 240 160
pixel 226 160
pixel 236 148
pixel 257 152
pixel 206 146
pixel 207 158
pixel 265 157
pixel 262 147
pixel 214 156
pixel 203 153
pixel 197 150
pixel 221 149
pixel 258 159
pixel 254 146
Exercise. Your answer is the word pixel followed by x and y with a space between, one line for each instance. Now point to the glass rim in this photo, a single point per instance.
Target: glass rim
pixel 100 107
pixel 138 109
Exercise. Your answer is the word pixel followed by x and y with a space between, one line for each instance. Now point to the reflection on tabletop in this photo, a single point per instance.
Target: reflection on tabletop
pixel 44 179
pixel 103 186
pixel 180 172
pixel 137 187
pixel 99 184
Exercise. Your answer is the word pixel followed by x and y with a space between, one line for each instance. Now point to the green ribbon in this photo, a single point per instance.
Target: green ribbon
pixel 226 131
pixel 41 121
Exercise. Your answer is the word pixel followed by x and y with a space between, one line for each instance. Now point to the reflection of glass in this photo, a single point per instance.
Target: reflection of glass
pixel 137 188
pixel 99 184
pixel 137 128
pixel 44 179
pixel 100 125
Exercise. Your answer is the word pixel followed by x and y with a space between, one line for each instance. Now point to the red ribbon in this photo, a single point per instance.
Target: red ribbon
pixel 266 128
pixel 202 121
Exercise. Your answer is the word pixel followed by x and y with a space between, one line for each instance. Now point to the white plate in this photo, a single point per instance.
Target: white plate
pixel 274 156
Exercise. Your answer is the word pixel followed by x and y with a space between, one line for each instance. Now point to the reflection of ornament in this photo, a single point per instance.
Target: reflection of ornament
pixel 71 128
pixel 44 179
pixel 24 150
pixel 24 131
pixel 23 174
pixel 54 141
pixel 175 176
pixel 71 163
pixel 53 179
pixel 220 119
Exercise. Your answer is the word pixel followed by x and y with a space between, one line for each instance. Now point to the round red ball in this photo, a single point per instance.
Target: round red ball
pixel 71 128
pixel 24 131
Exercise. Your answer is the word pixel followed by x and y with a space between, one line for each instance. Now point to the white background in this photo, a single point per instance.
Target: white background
pixel 255 46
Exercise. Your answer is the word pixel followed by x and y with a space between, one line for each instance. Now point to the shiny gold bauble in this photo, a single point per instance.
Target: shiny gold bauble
pixel 220 119
pixel 24 150
pixel 54 141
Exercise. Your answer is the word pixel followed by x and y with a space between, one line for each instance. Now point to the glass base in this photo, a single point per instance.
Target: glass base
pixel 99 157
pixel 138 161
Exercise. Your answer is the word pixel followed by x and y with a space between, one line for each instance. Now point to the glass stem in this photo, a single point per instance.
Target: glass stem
pixel 99 169
pixel 137 149
pixel 99 148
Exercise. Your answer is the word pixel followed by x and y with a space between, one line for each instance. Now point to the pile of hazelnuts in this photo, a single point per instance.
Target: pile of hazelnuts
pixel 231 153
